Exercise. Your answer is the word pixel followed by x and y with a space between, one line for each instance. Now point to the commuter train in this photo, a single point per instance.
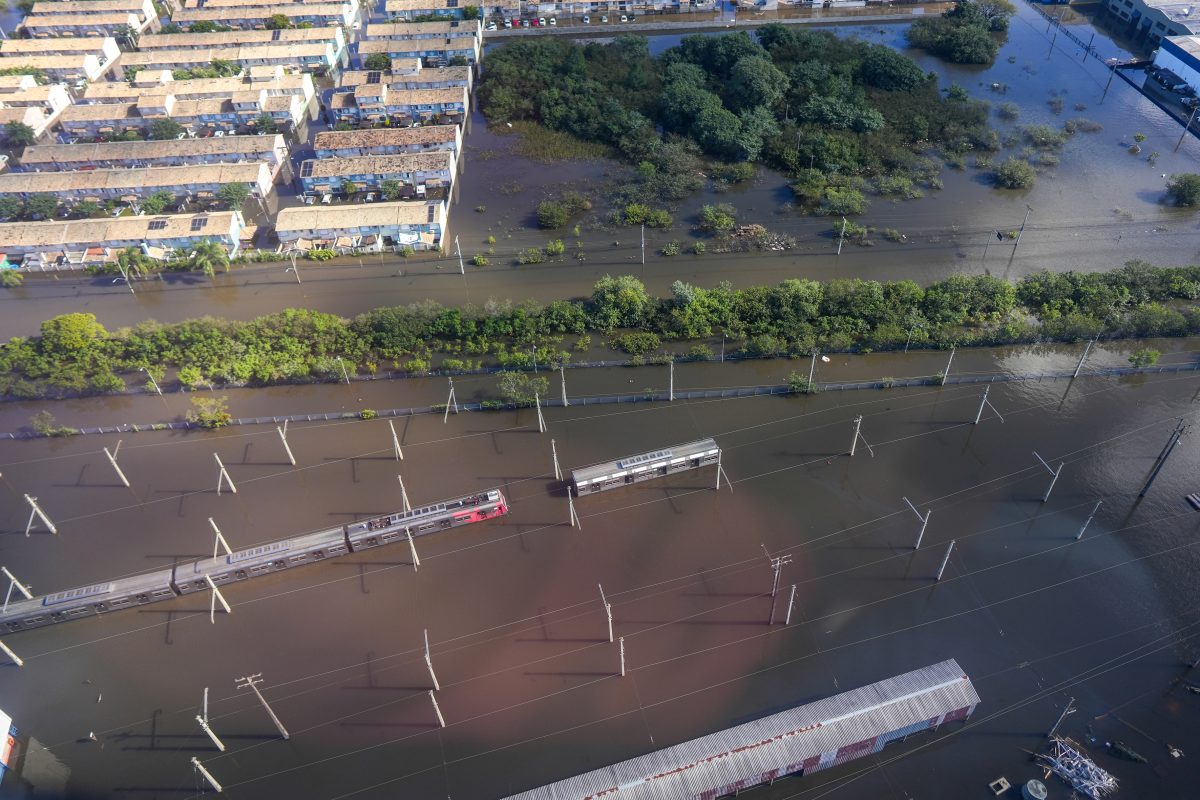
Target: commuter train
pixel 252 562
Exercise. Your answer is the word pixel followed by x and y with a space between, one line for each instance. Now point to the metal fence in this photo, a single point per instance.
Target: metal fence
pixel 640 397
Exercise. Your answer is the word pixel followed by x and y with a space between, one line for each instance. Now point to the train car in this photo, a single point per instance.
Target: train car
pixel 255 561
pixel 645 466
pixel 88 600
pixel 423 521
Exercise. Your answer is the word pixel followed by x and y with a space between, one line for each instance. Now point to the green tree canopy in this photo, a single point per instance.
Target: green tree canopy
pixel 1184 189
pixel 233 195
pixel 164 128
pixel 18 134
pixel 377 61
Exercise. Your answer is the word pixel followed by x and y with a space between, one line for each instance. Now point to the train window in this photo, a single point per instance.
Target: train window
pixel 426 527
pixel 34 620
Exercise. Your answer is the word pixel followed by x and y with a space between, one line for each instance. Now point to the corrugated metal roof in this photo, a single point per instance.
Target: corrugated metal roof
pixel 627 463
pixel 745 752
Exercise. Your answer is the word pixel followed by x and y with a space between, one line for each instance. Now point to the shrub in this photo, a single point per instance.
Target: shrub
pixel 718 218
pixel 552 215
pixel 698 248
pixel 797 383
pixel 1184 189
pixel 1015 174
pixel 1144 358
pixel 479 260
pixel 320 254
pixel 637 344
pixel 670 249
pixel 209 412
pixel 367 413
pixel 532 255
pixel 1008 111
pixel 555 247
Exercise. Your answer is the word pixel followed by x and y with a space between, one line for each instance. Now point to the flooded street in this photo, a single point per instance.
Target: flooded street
pixel 1097 209
pixel 529 685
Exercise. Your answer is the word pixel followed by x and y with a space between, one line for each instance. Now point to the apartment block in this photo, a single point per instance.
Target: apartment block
pixel 407 9
pixel 431 52
pixel 255 17
pixel 417 172
pixel 449 29
pixel 376 226
pixel 116 184
pixel 271 150
pixel 114 24
pixel 375 103
pixel 160 82
pixel 23 100
pixel 315 57
pixel 236 113
pixel 408 74
pixel 388 141
pixel 245 38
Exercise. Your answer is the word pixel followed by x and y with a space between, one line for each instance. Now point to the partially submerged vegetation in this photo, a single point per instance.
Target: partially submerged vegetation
pixel 841 117
pixel 969 33
pixel 74 354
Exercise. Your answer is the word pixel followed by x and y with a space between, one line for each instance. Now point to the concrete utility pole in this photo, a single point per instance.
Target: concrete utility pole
pixel 1070 709
pixel 945 560
pixel 1083 357
pixel 207 775
pixel 787 620
pixel 202 718
pixel 125 275
pixel 842 236
pixel 924 521
pixel 13 583
pixel 1172 440
pixel 345 374
pixel 777 565
pixel 946 372
pixel 36 511
pixel 403 494
pixel 643 244
pixel 562 374
pixel 458 250
pixel 671 382
pixel 858 435
pixel 413 549
pixel 450 401
pixel 437 709
pixel 395 441
pixel 1053 472
pixel 293 268
pixel 112 459
pixel 812 368
pixel 220 540
pixel 252 682
pixel 986 402
pixel 1028 211
pixel 216 595
pixel 223 476
pixel 1088 521
pixel 429 662
pixel 153 382
pixel 558 475
pixel 721 472
pixel 621 646
pixel 1182 136
pixel 607 611
pixel 8 652
pixel 574 517
pixel 537 403
pixel 283 438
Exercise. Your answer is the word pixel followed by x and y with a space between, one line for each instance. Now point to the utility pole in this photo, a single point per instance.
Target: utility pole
pixel 403 494
pixel 216 595
pixel 986 402
pixel 220 540
pixel 1028 211
pixel 8 652
pixel 1052 471
pixel 945 560
pixel 252 682
pixel 437 710
pixel 207 775
pixel 283 438
pixel 345 374
pixel 812 368
pixel 574 517
pixel 562 374
pixel 293 268
pixel 946 372
pixel 842 237
pixel 720 472
pixel 1186 128
pixel 777 565
pixel 1088 521
pixel 1173 440
pixel 429 663
pixel 395 441
pixel 858 435
pixel 13 583
pixel 643 244
pixel 202 718
pixel 450 401
pixel 36 511
pixel 125 273
pixel 537 402
pixel 1070 709
pixel 924 521
pixel 558 476
pixel 621 645
pixel 153 382
pixel 671 382
pixel 1112 72
pixel 223 476
pixel 413 549
pixel 1083 357
pixel 607 612
pixel 787 620
pixel 112 459
pixel 461 267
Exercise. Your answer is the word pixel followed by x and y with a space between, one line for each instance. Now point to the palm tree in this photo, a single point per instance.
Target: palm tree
pixel 134 261
pixel 207 256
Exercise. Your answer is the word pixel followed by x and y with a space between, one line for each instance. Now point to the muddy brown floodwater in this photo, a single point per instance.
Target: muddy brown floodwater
pixel 529 690
pixel 1098 208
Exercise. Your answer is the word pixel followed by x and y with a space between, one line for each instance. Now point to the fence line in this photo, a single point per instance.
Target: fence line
pixel 641 397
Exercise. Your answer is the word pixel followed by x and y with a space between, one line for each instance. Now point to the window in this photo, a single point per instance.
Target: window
pixel 306 169
pixel 451 3
pixel 198 223
pixel 374 78
pixel 158 224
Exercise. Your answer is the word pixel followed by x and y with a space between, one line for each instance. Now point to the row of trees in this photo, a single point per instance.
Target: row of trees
pixel 74 353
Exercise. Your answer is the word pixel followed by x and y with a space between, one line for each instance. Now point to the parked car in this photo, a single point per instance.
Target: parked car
pixel 603 18
pixel 553 22
pixel 631 17
pixel 508 23
pixel 587 20
pixel 370 198
pixel 624 18
pixel 491 26
pixel 326 199
pixel 524 23
pixel 218 134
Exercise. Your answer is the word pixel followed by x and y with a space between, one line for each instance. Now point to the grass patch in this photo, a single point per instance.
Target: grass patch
pixel 543 144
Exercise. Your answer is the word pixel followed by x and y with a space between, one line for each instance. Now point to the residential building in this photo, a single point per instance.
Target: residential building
pixel 418 172
pixel 316 57
pixel 243 38
pixel 116 23
pixel 1157 19
pixel 23 100
pixel 71 68
pixel 376 103
pixel 449 29
pixel 272 150
pixel 408 74
pixel 1179 54
pixel 388 141
pixel 105 184
pixel 235 113
pixel 144 10
pixel 374 226
pixel 255 17
pixel 75 244
pixel 161 82
pixel 431 52
pixel 104 48
pixel 407 9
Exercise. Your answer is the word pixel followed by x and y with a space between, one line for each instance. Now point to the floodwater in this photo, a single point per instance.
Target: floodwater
pixel 1097 209
pixel 530 691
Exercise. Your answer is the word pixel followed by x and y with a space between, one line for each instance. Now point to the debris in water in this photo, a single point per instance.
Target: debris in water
pixel 1067 762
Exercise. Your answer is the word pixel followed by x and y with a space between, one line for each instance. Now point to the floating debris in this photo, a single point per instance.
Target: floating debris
pixel 1067 762
pixel 1122 750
